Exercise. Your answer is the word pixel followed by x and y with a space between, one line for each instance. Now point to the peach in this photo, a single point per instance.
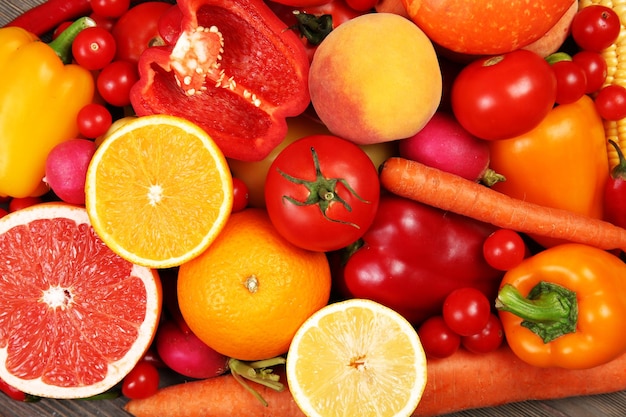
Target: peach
pixel 375 78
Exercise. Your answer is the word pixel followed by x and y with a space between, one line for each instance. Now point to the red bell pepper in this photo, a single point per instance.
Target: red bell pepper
pixel 414 255
pixel 235 70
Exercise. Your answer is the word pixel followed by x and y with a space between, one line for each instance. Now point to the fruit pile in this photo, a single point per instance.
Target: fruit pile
pixel 311 205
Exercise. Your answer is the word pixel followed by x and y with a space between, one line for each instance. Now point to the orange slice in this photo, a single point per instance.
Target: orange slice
pixel 75 317
pixel 356 358
pixel 158 190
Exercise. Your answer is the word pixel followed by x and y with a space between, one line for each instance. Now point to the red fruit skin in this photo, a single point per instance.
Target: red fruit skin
pixel 414 255
pixel 615 201
pixel 615 191
pixel 444 144
pixel 267 63
pixel 186 354
pixel 66 169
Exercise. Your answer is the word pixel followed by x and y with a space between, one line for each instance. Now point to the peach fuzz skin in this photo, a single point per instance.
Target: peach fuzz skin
pixel 375 79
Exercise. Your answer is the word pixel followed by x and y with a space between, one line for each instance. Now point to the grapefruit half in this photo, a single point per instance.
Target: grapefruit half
pixel 75 317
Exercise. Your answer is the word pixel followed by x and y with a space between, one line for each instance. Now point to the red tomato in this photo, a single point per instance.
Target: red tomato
pixel 240 195
pixel 611 102
pixel 438 340
pixel 322 192
pixel 94 120
pixel 504 249
pixel 571 81
pixel 142 381
pixel 94 48
pixel 466 311
pixel 595 27
pixel 137 28
pixel 594 66
pixel 504 96
pixel 115 81
pixel 488 339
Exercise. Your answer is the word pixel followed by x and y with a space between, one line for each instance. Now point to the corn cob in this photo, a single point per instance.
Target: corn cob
pixel 615 57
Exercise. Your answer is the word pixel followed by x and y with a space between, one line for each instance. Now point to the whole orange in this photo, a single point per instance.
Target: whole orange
pixel 250 291
pixel 485 27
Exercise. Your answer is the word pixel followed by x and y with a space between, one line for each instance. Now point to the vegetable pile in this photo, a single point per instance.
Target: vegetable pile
pixel 480 193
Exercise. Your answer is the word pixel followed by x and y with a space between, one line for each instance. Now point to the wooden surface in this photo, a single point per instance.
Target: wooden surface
pixel 608 405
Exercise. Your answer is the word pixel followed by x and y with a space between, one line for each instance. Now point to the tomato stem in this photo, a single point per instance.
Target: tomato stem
pixel 322 191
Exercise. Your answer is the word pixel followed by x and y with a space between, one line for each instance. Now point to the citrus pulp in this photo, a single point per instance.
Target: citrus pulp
pixel 356 358
pixel 75 317
pixel 158 190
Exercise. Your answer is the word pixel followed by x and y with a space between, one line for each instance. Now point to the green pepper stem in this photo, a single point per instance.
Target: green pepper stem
pixel 62 45
pixel 550 310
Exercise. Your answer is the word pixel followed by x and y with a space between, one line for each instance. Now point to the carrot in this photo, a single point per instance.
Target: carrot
pixel 221 396
pixel 450 192
pixel 466 381
pixel 462 381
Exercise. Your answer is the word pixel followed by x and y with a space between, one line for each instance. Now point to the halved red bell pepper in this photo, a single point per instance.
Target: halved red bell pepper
pixel 235 70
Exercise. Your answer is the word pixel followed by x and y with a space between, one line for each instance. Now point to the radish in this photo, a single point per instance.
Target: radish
pixel 66 169
pixel 184 353
pixel 444 144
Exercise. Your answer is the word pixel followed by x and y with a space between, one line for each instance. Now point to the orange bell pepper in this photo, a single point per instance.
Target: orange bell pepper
pixel 40 98
pixel 565 307
pixel 562 163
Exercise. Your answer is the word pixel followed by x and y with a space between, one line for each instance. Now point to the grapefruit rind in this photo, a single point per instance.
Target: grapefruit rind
pixel 338 361
pixel 116 370
pixel 159 229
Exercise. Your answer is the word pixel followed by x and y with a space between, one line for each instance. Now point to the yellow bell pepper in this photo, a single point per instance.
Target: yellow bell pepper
pixel 40 97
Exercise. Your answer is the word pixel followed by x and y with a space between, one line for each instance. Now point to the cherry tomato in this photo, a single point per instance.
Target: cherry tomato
pixel 571 82
pixel 115 81
pixel 110 8
pixel 94 48
pixel 488 339
pixel 362 5
pixel 103 22
pixel 595 27
pixel 504 96
pixel 3 212
pixel 466 311
pixel 94 120
pixel 136 29
pixel 504 249
pixel 141 382
pixel 22 202
pixel 322 192
pixel 611 102
pixel 438 340
pixel 594 66
pixel 240 195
